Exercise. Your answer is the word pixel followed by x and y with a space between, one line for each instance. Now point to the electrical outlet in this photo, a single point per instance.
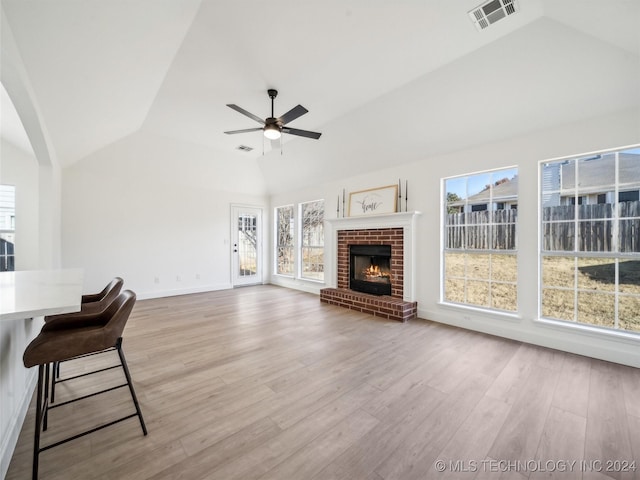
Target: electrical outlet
pixel 466 318
pixel 156 280
pixel 197 276
pixel 178 279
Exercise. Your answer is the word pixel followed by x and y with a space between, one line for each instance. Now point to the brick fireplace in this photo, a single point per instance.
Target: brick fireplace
pixel 395 230
pixel 372 236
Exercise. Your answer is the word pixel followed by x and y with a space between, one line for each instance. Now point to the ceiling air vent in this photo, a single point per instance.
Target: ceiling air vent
pixel 490 12
pixel 244 148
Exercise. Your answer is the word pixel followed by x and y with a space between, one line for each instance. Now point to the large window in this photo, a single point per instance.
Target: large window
pixel 590 240
pixel 479 257
pixel 285 253
pixel 312 242
pixel 7 227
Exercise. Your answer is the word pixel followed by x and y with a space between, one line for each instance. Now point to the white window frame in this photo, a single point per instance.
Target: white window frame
pixel 302 246
pixel 488 251
pixel 615 254
pixel 276 243
pixel 8 220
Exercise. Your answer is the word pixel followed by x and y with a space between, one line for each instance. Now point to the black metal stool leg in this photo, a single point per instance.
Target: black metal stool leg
pixel 36 437
pixel 54 379
pixel 130 384
pixel 45 421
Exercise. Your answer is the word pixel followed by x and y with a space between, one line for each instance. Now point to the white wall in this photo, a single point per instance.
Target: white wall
pixel 20 169
pixel 618 129
pixel 155 212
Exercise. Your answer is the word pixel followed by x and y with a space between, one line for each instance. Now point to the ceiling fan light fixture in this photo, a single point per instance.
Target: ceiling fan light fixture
pixel 272 132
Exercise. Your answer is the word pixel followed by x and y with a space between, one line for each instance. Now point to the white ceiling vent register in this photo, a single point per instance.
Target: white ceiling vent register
pixel 490 12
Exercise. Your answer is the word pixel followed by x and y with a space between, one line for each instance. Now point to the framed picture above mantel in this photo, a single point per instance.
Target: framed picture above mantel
pixel 373 201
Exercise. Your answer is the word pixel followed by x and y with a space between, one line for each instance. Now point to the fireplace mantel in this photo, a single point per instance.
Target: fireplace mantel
pixel 405 220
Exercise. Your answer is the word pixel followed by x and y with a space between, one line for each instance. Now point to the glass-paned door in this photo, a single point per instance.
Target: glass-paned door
pixel 246 228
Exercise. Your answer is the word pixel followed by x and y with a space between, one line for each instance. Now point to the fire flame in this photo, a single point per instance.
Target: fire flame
pixel 374 271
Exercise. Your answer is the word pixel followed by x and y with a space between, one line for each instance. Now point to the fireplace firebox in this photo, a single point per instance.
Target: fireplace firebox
pixel 370 269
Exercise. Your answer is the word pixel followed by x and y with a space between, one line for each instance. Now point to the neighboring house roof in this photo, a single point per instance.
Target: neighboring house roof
pixel 597 174
pixel 505 191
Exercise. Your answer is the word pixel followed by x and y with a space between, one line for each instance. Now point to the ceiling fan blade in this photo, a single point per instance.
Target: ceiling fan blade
pixel 292 114
pixel 244 112
pixel 244 130
pixel 301 133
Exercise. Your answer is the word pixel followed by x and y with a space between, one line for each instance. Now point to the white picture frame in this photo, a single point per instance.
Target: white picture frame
pixel 374 201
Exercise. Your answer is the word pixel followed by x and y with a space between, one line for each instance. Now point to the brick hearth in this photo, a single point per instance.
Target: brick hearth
pixel 387 306
pixel 384 306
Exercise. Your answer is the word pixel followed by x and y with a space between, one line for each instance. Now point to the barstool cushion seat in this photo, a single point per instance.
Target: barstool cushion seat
pixel 93 303
pixel 64 338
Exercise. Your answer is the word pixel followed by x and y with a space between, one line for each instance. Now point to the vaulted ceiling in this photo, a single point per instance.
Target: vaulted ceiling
pixel 384 81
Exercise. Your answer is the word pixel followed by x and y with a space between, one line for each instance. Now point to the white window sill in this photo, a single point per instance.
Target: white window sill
pixel 601 333
pixel 485 312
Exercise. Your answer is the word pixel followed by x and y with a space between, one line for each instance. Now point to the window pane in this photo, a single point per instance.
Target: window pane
pixel 247 245
pixel 313 263
pixel 629 169
pixel 558 237
pixel 7 252
pixel 597 274
pixel 454 290
pixel 596 309
pixel 595 236
pixel 284 240
pixel 285 260
pixel 454 264
pixel 481 214
pixel 7 228
pixel 478 266
pixel 455 234
pixel 503 232
pixel 558 304
pixel 312 251
pixel 629 313
pixel 504 296
pixel 628 208
pixel 504 268
pixel 629 276
pixel 606 189
pixel 478 188
pixel 566 177
pixel 558 271
pixel 478 293
pixel 629 235
pixel 477 235
pixel 596 173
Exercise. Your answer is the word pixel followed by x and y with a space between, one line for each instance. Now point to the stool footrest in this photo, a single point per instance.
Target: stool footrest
pixel 88 432
pixel 86 396
pixel 60 380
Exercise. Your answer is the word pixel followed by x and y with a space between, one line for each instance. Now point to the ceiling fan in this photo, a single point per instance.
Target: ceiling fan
pixel 274 127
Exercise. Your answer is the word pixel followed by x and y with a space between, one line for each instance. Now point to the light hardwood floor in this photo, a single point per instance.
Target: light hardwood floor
pixel 268 383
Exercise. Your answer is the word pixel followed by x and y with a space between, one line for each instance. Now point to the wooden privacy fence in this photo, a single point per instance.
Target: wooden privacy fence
pixel 496 229
pixel 595 227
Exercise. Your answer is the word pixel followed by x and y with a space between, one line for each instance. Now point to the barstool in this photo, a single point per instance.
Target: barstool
pixel 91 303
pixel 63 339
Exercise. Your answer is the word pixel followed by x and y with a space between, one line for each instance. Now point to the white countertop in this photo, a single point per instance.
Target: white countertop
pixel 35 293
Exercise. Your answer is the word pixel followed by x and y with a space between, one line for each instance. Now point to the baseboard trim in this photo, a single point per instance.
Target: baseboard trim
pixel 536 333
pixel 183 291
pixel 8 446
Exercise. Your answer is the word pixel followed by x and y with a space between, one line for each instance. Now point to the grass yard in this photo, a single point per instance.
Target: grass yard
pixel 490 280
